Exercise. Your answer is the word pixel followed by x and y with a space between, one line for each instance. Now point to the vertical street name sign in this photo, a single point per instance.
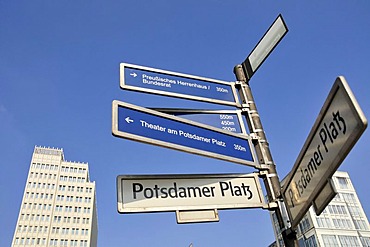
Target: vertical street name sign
pixel 156 128
pixel 339 125
pixel 163 82
pixel 156 193
pixel 265 46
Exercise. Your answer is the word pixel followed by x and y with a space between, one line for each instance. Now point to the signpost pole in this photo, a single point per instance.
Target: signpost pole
pixel 271 179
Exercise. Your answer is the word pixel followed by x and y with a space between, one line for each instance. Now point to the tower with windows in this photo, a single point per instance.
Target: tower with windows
pixel 59 203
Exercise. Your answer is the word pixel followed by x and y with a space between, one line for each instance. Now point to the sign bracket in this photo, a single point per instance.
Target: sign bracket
pixel 269 174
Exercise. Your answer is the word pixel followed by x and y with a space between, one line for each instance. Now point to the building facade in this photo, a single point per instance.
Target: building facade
pixel 343 223
pixel 59 203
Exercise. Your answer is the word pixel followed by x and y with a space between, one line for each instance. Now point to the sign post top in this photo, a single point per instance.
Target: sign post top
pixel 265 46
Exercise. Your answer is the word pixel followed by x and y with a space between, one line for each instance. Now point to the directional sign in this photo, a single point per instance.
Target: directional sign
pixel 160 129
pixel 336 130
pixel 162 82
pixel 156 193
pixel 265 46
pixel 230 120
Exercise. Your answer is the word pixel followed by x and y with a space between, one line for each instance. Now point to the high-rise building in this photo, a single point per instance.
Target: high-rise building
pixel 59 203
pixel 343 223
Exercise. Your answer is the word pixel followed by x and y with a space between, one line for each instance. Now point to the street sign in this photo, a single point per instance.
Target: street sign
pixel 339 125
pixel 324 198
pixel 265 46
pixel 163 82
pixel 231 120
pixel 197 216
pixel 158 193
pixel 153 127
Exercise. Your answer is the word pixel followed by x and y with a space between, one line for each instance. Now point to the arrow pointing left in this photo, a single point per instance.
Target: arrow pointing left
pixel 129 120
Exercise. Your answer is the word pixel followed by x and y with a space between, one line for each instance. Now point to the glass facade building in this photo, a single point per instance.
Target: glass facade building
pixel 343 223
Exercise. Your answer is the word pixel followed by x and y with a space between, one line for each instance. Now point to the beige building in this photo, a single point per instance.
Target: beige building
pixel 343 223
pixel 59 203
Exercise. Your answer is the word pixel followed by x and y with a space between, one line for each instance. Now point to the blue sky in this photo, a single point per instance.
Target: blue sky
pixel 59 73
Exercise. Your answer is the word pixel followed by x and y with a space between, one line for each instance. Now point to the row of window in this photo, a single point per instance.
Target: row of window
pixel 33 195
pixel 27 228
pixel 72 231
pixel 323 222
pixel 348 197
pixel 38 206
pixel 365 241
pixel 354 211
pixel 44 166
pixel 64 242
pixel 73 188
pixel 72 179
pixel 73 169
pixel 34 185
pixel 360 224
pixel 336 209
pixel 74 198
pixel 59 208
pixel 342 223
pixel 345 241
pixel 53 242
pixel 39 229
pixel 349 241
pixel 30 241
pixel 36 217
pixel 68 219
pixel 35 175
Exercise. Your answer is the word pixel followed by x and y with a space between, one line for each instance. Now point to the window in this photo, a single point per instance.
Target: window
pixel 349 241
pixel 73 243
pixel 53 242
pixel 57 218
pixel 85 232
pixel 330 241
pixel 343 183
pixel 304 225
pixel 365 241
pixel 83 243
pixel 354 210
pixel 360 224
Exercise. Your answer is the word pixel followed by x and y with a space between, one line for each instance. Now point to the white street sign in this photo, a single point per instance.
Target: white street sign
pixel 155 193
pixel 265 46
pixel 336 130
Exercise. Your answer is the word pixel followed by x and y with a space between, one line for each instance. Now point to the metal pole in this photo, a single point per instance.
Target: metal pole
pixel 271 179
